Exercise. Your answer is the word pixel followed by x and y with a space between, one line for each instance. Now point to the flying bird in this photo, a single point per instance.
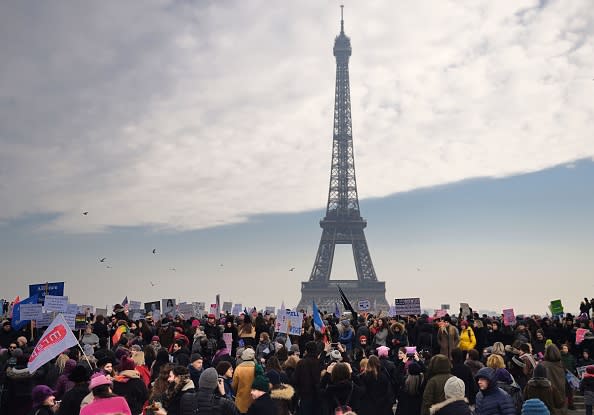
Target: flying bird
pixel 154 251
pixel 292 269
pixel 109 266
pixel 102 259
pixel 152 283
pixel 172 269
pixel 85 213
pixel 418 269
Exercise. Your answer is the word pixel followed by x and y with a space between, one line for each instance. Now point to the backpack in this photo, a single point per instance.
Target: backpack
pixel 342 409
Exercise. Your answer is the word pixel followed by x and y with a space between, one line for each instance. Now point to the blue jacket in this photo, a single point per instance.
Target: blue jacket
pixel 493 400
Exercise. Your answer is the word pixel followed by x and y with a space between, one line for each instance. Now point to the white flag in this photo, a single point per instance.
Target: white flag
pixel 56 338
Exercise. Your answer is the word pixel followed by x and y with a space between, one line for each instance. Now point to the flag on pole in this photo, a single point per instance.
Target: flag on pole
pixel 56 338
pixel 317 319
pixel 125 303
pixel 336 310
pixel 347 305
pixel 17 323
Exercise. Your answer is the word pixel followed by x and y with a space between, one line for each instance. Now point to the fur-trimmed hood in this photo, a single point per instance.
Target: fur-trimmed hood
pixel 284 392
pixel 438 406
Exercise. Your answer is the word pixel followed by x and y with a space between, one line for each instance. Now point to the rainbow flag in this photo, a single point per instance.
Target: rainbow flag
pixel 123 329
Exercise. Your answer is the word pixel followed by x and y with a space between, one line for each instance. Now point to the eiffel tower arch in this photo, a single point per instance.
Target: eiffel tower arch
pixel 343 223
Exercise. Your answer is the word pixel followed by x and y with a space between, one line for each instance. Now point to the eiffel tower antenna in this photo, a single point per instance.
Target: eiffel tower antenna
pixel 343 223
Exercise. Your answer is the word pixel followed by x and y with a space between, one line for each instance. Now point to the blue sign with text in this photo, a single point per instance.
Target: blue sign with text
pixel 50 288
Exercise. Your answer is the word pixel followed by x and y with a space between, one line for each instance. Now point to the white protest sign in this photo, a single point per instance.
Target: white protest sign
pixel 30 311
pixel 187 310
pixel 228 338
pixel 85 309
pixel 214 310
pixel 295 321
pixel 364 305
pixel 57 303
pixel 281 325
pixel 134 305
pixel 237 309
pixel 405 306
pixel 44 320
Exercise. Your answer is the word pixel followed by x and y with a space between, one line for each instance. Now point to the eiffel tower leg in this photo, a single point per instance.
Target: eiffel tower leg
pixel 363 264
pixel 323 264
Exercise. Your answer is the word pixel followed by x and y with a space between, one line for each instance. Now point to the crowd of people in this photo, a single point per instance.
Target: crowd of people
pixel 359 364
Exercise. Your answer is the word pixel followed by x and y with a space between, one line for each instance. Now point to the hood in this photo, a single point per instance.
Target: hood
pixel 125 375
pixel 439 364
pixel 489 374
pixel 284 392
pixel 188 385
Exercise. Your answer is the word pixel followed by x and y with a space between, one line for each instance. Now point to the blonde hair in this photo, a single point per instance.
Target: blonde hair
pixel 61 362
pixel 363 364
pixel 495 361
pixel 138 358
pixel 498 348
pixel 291 362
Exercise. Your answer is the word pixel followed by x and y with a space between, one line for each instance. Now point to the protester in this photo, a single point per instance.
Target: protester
pixel 555 372
pixel 540 387
pixel 534 407
pixel 72 399
pixel 491 400
pixel 455 402
pixel 181 397
pixel 43 400
pixel 210 395
pixel 438 372
pixel 281 394
pixel 306 380
pixel 587 388
pixel 243 379
pixel 127 383
pixel 410 394
pixel 104 400
pixel 262 403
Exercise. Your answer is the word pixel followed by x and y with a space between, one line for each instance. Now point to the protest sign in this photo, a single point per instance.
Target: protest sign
pixel 282 321
pixel 187 310
pixel 201 305
pixel 44 320
pixel 228 339
pixel 405 306
pixel 556 308
pixel 440 313
pixel 580 371
pixel 364 305
pixel 85 309
pixel 579 334
pixel 509 318
pixel 137 314
pixel 465 310
pixel 101 312
pixel 56 303
pixel 269 310
pixel 135 305
pixel 214 310
pixel 168 307
pixel 80 321
pixel 237 309
pixel 30 311
pixel 294 323
pixel 49 288
pixel 445 306
pixel 227 306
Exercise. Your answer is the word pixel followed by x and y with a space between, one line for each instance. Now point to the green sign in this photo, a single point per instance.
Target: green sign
pixel 556 307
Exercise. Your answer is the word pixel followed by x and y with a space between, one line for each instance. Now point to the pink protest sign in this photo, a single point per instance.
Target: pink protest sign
pixel 509 318
pixel 579 335
pixel 440 313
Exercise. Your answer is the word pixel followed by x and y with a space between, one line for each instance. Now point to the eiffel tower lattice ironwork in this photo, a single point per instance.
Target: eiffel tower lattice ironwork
pixel 343 223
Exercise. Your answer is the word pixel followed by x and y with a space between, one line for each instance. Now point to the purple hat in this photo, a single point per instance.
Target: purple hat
pixel 39 394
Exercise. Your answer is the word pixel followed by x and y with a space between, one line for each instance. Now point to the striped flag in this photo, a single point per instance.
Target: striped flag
pixel 317 319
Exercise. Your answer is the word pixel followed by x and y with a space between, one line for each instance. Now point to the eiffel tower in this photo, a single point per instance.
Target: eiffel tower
pixel 343 223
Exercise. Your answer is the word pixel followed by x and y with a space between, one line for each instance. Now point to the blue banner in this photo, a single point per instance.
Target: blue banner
pixel 51 288
pixel 16 322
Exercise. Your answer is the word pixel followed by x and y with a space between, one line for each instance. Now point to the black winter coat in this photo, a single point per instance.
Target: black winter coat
pixel 211 403
pixel 463 372
pixel 132 389
pixel 307 377
pixel 377 396
pixel 451 407
pixel 343 393
pixel 262 406
pixel 183 402
pixel 71 400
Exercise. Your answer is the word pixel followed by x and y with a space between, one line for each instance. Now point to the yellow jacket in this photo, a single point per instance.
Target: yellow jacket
pixel 467 339
pixel 243 377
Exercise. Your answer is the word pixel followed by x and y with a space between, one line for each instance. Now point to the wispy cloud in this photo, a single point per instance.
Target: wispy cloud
pixel 183 117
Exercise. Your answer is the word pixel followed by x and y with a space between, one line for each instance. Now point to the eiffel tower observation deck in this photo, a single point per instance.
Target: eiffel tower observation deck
pixel 343 223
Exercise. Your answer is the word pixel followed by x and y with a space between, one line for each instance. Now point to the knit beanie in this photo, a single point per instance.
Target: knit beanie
pixel 261 382
pixel 540 371
pixel 454 388
pixel 39 394
pixel 208 379
pixel 534 407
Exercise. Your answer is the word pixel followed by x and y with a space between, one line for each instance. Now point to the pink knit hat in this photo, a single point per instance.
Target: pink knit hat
pixel 98 380
pixel 383 351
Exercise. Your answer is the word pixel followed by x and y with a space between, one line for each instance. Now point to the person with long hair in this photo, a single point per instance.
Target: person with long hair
pixel 181 396
pixel 160 385
pixel 247 332
pixel 410 395
pixel 378 396
pixel 556 374
pixel 104 400
pixel 338 389
pixel 161 359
